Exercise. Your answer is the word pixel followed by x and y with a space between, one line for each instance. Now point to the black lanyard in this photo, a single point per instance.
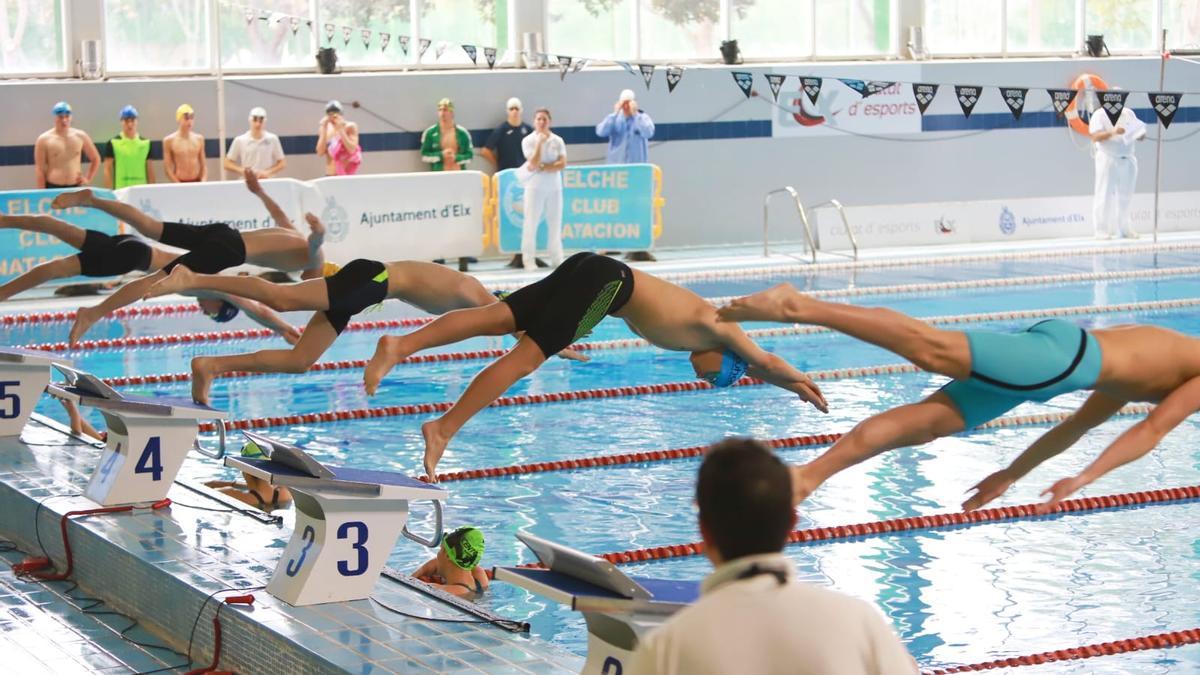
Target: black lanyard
pixel 754 570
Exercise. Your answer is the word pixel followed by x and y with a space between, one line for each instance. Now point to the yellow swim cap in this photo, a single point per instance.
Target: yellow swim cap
pixel 182 110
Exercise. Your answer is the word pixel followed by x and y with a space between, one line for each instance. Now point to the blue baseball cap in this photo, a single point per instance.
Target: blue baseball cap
pixel 226 314
pixel 733 367
pixel 61 108
pixel 129 112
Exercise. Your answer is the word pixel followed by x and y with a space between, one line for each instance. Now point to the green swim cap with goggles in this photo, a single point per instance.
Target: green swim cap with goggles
pixel 464 547
pixel 251 451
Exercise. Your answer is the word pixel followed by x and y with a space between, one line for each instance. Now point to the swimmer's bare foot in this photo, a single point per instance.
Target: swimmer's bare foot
pixel 802 484
pixel 74 198
pixel 435 447
pixel 179 280
pixel 574 355
pixel 314 225
pixel 782 303
pixel 202 377
pixel 85 317
pixel 388 352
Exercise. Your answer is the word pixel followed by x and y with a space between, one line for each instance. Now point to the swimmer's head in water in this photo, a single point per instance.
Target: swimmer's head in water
pixel 251 451
pixel 221 311
pixel 719 368
pixel 464 547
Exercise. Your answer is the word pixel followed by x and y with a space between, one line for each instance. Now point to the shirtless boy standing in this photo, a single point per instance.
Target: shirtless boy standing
pixel 183 151
pixel 56 155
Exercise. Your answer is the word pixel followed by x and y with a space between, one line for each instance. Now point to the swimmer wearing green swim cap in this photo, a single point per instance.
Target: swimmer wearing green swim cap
pixel 254 491
pixel 994 372
pixel 457 569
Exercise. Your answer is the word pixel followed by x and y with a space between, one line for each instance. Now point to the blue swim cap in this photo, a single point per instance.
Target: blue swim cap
pixel 733 367
pixel 129 112
pixel 226 314
pixel 61 108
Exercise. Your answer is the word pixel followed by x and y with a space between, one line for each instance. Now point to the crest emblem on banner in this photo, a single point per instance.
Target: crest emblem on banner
pixel 337 223
pixel 811 87
pixel 924 93
pixel 745 82
pixel 1014 99
pixel 857 85
pixel 1008 222
pixel 647 73
pixel 875 86
pixel 384 39
pixel 489 54
pixel 366 37
pixel 968 96
pixel 1061 99
pixel 564 64
pixel 674 75
pixel 471 52
pixel 775 82
pixel 1113 103
pixel 329 28
pixel 1165 106
pixel 347 31
pixel 423 46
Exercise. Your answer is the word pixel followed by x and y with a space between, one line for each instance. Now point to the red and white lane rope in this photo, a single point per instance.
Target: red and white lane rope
pixel 627 343
pixel 1176 638
pixel 648 456
pixel 820 535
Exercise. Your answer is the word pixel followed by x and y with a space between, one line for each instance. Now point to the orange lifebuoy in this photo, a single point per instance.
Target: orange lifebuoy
pixel 1084 83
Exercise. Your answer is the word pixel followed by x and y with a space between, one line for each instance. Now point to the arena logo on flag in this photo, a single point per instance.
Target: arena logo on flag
pixel 1061 99
pixel 968 96
pixel 745 82
pixel 1014 99
pixel 924 94
pixel 1165 106
pixel 812 88
pixel 1113 103
pixel 647 73
pixel 775 81
pixel 674 75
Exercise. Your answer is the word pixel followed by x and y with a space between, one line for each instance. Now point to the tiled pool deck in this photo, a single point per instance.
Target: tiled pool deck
pixel 160 566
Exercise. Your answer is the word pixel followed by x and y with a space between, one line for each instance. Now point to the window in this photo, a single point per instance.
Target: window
pixel 342 24
pixel 1127 25
pixel 31 37
pixel 1041 26
pixel 162 35
pixel 774 28
pixel 1181 18
pixel 963 26
pixel 465 22
pixel 854 27
pixel 590 28
pixel 280 38
pixel 682 29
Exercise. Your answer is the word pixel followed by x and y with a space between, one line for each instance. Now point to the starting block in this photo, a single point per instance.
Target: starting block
pixel 148 438
pixel 347 522
pixel 24 374
pixel 619 609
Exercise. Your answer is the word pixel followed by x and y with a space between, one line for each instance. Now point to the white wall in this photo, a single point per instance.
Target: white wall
pixel 713 188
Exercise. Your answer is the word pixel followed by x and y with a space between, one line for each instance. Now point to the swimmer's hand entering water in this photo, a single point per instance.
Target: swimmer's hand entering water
pixel 989 488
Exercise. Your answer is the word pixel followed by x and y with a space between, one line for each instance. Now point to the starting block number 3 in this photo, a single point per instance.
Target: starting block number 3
pixel 10 403
pixel 353 530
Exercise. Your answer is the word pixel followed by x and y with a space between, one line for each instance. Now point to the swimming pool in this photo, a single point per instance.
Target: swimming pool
pixel 956 596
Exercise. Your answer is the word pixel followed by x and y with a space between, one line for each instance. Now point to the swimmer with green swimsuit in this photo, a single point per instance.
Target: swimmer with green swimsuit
pixel 565 306
pixel 993 373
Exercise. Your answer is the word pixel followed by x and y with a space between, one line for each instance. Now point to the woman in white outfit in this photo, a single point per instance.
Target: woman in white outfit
pixel 547 155
pixel 1116 171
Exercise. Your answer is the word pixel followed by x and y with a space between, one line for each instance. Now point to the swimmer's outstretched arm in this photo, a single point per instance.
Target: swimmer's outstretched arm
pixel 1138 440
pixel 1095 410
pixel 263 316
pixel 771 368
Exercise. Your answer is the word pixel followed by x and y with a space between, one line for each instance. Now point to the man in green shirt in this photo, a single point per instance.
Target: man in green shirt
pixel 446 146
pixel 127 155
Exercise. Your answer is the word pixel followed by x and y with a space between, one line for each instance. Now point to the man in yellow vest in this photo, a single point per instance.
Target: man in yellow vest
pixel 127 155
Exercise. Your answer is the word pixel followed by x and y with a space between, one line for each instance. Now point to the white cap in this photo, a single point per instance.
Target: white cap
pixel 627 95
pixel 258 111
pixel 514 102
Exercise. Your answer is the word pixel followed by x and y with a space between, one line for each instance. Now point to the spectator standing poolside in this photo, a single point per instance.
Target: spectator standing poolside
pixel 547 157
pixel 445 146
pixel 503 149
pixel 258 149
pixel 337 142
pixel 127 155
pixel 183 151
pixel 628 129
pixel 56 154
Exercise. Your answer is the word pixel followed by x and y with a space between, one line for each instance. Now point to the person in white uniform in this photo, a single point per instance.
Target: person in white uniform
pixel 753 615
pixel 1116 171
pixel 546 156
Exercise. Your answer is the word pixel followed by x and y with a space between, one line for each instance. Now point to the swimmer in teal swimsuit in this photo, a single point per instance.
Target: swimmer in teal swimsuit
pixel 993 373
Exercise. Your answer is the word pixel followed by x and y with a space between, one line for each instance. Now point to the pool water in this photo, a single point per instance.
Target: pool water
pixel 957 596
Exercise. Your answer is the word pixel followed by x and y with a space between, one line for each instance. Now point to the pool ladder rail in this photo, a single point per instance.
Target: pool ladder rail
pixel 813 239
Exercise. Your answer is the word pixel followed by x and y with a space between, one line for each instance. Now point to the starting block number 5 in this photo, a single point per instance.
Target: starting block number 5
pixel 10 403
pixel 353 530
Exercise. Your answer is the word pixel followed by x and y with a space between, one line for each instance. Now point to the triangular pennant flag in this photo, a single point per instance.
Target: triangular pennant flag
pixel 403 39
pixel 329 32
pixel 308 22
pixel 439 50
pixel 1014 99
pixel 264 14
pixel 384 39
pixel 295 23
pixel 811 87
pixel 424 45
pixel 1061 99
pixel 489 54
pixel 580 64
pixel 564 64
pixel 856 85
pixel 924 94
pixel 628 68
pixel 674 75
pixel 775 81
pixel 647 72
pixel 968 96
pixel 1113 103
pixel 471 52
pixel 1165 106
pixel 346 32
pixel 366 36
pixel 875 86
pixel 745 82
pixel 249 15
